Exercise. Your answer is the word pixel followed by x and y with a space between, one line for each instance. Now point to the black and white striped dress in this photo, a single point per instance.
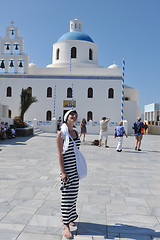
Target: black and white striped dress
pixel 70 189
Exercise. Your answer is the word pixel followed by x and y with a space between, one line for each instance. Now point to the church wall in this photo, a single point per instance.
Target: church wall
pixel 130 114
pixel 100 105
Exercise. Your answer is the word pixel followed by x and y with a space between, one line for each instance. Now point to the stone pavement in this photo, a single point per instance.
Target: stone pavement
pixel 119 199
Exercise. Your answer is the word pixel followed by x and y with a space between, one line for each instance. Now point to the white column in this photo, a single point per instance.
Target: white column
pixel 6 62
pixel 16 66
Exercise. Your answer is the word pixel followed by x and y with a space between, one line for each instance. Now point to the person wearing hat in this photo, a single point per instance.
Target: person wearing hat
pixel 68 170
pixel 103 131
pixel 138 132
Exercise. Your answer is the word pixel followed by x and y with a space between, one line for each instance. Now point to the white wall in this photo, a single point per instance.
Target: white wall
pixel 100 105
pixel 130 114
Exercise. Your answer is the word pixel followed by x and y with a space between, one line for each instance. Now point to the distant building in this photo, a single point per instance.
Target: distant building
pixel 73 79
pixel 152 112
pixel 152 117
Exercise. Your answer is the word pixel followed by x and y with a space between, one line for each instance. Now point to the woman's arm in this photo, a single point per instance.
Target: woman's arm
pixel 60 156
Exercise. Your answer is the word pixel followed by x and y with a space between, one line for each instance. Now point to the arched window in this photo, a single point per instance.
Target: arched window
pixel 89 116
pixel 90 54
pixel 49 92
pixel 90 92
pixel 73 52
pixel 9 92
pixel 30 90
pixel 9 113
pixel 57 57
pixel 69 92
pixel 111 93
pixel 48 116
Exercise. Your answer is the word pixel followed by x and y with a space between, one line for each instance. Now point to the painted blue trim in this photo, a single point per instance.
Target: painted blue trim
pixel 60 77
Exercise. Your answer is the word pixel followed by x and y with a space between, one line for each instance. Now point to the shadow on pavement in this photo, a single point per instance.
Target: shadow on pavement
pixel 113 231
pixel 15 141
pixel 141 152
pixel 45 136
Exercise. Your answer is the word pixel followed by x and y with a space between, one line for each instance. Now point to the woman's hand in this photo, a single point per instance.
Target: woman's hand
pixel 64 177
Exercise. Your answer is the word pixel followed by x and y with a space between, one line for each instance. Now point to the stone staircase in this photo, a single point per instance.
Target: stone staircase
pixel 37 131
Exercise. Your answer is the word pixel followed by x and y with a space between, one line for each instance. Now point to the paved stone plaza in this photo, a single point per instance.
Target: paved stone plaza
pixel 119 199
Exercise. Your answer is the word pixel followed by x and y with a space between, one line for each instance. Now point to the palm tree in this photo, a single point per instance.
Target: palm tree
pixel 26 101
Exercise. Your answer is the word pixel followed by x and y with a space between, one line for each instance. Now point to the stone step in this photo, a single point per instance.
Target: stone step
pixel 37 131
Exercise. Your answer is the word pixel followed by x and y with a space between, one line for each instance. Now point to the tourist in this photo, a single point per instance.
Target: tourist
pixel 119 132
pixel 103 131
pixel 8 130
pixel 3 131
pixel 138 126
pixel 68 168
pixel 59 124
pixel 83 128
pixel 145 127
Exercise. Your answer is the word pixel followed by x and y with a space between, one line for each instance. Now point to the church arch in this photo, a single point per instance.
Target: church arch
pixel 69 92
pixel 48 115
pixel 89 116
pixel 73 52
pixel 30 90
pixel 57 55
pixel 9 92
pixel 90 92
pixel 90 54
pixel 49 92
pixel 9 113
pixel 110 93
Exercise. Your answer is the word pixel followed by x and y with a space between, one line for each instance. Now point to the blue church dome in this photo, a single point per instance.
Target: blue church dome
pixel 75 36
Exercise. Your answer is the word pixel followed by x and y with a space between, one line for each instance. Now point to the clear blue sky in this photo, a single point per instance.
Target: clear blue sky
pixel 120 28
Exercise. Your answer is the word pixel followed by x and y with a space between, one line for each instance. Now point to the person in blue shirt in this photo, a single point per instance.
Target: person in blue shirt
pixel 119 132
pixel 138 132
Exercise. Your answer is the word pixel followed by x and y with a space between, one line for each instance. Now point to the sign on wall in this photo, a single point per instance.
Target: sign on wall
pixel 67 103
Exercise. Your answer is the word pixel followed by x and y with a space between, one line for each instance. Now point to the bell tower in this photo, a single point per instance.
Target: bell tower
pixel 12 56
pixel 75 25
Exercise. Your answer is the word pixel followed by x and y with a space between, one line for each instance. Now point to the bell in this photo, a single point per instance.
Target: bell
pixel 2 64
pixel 12 32
pixel 20 64
pixel 7 46
pixel 16 47
pixel 11 64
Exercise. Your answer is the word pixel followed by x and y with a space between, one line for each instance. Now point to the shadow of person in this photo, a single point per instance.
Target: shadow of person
pixel 117 230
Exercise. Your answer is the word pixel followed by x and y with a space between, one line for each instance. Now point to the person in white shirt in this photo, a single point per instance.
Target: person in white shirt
pixel 103 131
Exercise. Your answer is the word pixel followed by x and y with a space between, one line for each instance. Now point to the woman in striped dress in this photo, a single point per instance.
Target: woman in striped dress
pixel 69 175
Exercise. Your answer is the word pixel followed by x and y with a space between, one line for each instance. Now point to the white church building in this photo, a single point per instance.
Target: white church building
pixel 73 80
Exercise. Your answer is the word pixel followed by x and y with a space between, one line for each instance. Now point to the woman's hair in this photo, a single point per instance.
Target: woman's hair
pixel 120 123
pixel 72 112
pixel 84 120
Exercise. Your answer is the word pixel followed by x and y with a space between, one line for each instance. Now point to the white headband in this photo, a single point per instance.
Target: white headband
pixel 66 114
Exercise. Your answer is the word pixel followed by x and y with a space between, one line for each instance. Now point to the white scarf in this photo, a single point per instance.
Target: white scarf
pixel 65 136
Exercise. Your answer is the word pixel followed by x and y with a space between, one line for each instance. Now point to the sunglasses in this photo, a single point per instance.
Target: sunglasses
pixel 73 114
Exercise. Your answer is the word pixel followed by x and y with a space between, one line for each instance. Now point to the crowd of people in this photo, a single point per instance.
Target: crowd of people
pixel 139 129
pixel 7 131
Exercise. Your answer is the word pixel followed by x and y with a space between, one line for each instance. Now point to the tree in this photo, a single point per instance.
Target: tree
pixel 26 101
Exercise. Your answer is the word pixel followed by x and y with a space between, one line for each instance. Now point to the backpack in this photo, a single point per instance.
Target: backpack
pixel 137 127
